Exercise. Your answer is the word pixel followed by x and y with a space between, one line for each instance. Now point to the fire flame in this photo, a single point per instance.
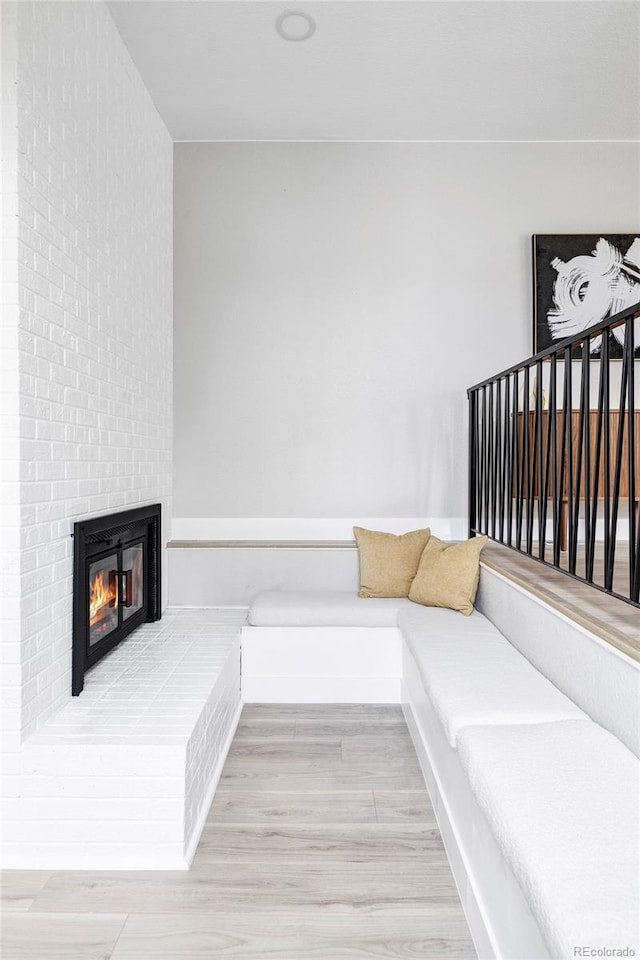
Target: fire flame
pixel 102 594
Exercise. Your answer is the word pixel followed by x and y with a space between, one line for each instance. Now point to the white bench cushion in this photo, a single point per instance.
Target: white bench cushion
pixel 421 623
pixel 473 675
pixel 562 800
pixel 323 608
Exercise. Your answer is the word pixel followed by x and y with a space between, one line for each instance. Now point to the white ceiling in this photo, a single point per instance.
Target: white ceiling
pixel 417 70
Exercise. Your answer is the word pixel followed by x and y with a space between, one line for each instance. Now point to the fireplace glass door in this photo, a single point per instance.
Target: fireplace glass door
pixel 132 580
pixel 103 597
pixel 116 590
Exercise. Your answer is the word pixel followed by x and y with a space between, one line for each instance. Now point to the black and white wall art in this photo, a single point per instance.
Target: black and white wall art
pixel 580 279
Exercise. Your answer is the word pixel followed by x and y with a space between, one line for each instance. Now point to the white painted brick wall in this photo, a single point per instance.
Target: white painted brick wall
pixel 208 745
pixel 10 672
pixel 123 775
pixel 94 204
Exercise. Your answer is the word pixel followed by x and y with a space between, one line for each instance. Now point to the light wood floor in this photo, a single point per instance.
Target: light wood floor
pixel 321 843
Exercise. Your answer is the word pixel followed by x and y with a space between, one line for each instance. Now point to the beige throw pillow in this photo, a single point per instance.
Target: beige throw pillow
pixel 448 574
pixel 388 563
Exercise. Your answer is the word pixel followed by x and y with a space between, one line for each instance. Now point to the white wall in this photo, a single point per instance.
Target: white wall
pixel 334 300
pixel 93 217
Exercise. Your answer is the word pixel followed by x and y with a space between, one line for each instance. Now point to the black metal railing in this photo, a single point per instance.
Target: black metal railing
pixel 554 456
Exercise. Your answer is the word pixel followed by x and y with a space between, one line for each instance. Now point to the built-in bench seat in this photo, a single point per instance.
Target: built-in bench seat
pixel 562 801
pixel 473 675
pixel 532 844
pixel 322 647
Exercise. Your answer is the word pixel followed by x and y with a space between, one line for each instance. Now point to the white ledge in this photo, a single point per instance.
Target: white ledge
pixel 308 529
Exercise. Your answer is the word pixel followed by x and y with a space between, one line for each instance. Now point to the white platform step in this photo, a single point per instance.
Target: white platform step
pixel 123 776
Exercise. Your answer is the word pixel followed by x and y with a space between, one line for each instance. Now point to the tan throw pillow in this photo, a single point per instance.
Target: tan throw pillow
pixel 448 574
pixel 388 563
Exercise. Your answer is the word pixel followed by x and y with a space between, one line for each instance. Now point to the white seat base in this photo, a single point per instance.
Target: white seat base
pixel 321 664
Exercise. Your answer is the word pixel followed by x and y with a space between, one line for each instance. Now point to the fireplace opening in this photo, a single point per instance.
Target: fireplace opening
pixel 116 583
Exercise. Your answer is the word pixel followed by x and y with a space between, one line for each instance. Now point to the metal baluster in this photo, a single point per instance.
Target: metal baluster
pixel 617 470
pixel 606 411
pixel 589 534
pixel 473 462
pixel 635 415
pixel 570 464
pixel 553 433
pixel 531 472
pixel 538 456
pixel 514 460
pixel 487 466
pixel 491 520
pixel 582 418
pixel 545 482
pixel 524 478
pixel 504 472
pixel 597 456
pixel 481 400
pixel 499 464
pixel 631 388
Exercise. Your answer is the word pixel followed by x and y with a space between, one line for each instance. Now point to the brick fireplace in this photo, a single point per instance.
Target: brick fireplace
pixel 91 316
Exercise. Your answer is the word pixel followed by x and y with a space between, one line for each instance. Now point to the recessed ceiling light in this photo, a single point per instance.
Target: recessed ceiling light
pixel 295 25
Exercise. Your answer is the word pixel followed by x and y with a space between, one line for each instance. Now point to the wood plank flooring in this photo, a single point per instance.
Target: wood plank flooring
pixel 320 843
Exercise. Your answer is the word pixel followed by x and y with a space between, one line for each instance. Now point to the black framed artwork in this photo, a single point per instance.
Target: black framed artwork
pixel 581 279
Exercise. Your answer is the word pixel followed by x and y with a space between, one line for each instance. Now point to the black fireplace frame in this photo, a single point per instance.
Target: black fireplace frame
pixel 93 539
